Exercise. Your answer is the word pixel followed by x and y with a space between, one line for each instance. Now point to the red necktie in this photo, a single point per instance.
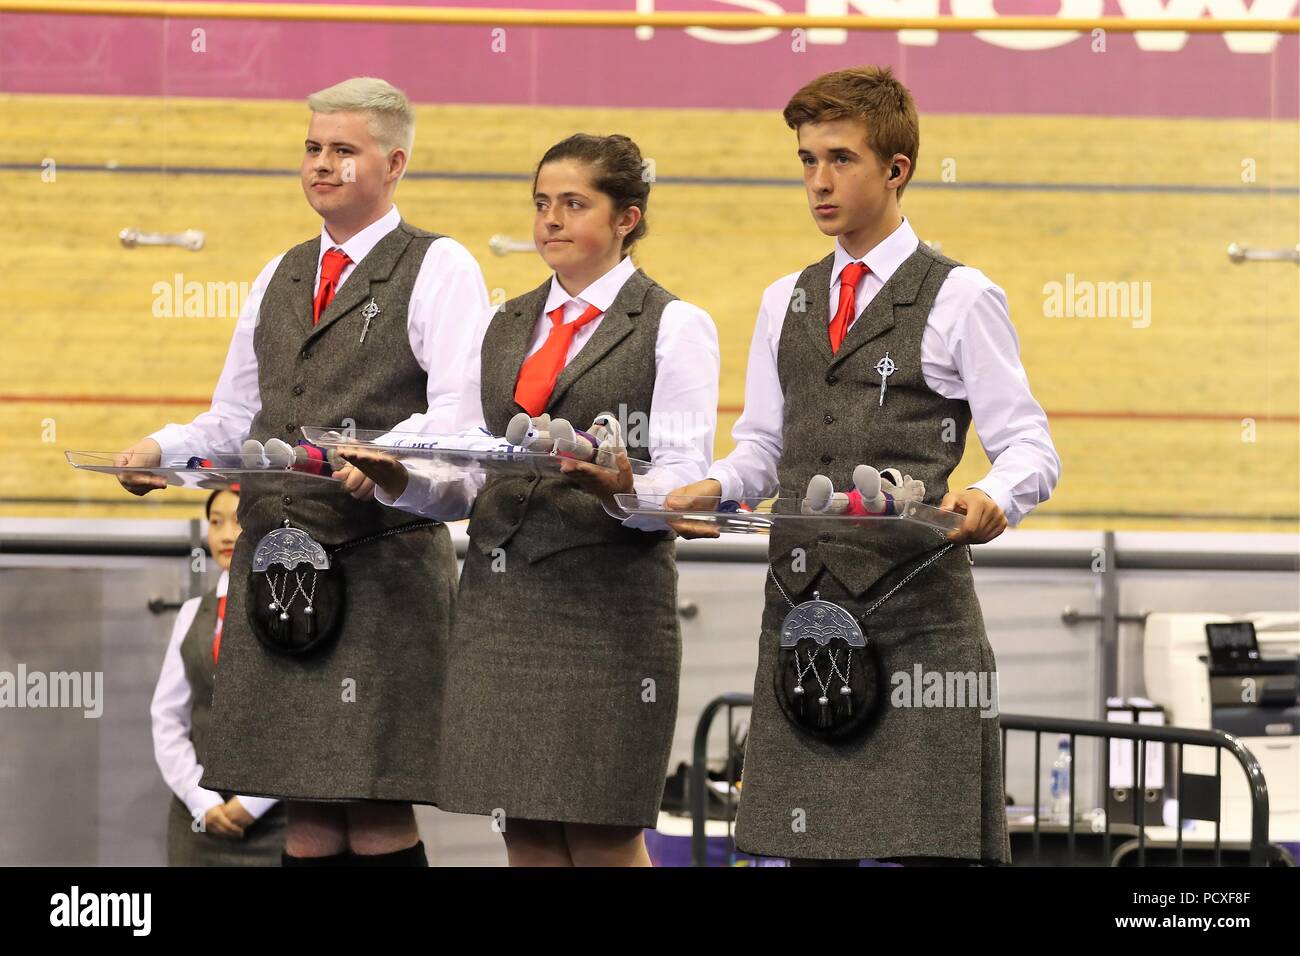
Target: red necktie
pixel 331 268
pixel 216 635
pixel 538 374
pixel 848 302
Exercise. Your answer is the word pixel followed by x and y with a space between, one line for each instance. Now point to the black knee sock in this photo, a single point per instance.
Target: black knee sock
pixel 334 859
pixel 411 856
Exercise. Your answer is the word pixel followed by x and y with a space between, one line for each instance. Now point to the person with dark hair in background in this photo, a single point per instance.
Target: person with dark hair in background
pixel 204 827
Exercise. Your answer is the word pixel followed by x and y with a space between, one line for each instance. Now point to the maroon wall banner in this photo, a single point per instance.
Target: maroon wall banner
pixel 1142 74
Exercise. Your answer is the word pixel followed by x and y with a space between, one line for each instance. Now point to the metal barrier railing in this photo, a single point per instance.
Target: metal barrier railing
pixel 1106 731
pixel 1139 733
pixel 699 796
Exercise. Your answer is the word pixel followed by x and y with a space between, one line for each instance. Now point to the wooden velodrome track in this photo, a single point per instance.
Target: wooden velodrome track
pixel 1148 421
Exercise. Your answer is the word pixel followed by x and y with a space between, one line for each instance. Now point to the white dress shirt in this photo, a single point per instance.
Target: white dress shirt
pixel 448 288
pixel 969 351
pixel 683 410
pixel 173 749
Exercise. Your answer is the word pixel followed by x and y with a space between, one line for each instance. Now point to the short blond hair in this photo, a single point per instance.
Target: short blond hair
pixel 391 119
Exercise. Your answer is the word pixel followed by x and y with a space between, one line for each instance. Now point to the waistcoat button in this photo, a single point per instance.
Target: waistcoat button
pixel 828 419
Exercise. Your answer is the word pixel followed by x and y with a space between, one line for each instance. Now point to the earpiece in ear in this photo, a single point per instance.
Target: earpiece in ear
pixel 893 172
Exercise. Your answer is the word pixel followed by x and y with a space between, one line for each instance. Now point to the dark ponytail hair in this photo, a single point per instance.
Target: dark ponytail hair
pixel 618 171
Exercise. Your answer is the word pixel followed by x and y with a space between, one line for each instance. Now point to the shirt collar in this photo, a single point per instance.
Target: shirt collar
pixel 884 258
pixel 359 246
pixel 600 293
pixel 223 584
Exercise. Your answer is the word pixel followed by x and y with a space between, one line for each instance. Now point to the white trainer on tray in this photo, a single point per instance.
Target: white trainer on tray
pixel 556 435
pixel 873 493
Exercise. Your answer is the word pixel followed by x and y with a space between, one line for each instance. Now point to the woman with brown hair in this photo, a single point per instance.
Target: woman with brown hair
pixel 560 697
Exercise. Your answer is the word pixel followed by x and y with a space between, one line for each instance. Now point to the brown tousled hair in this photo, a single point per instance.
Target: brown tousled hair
pixel 868 93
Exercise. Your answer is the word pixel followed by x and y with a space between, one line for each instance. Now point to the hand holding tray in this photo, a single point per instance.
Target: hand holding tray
pixel 459 456
pixel 760 515
pixel 219 470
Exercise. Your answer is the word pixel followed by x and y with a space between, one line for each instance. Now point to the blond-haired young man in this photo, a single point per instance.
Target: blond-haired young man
pixel 357 326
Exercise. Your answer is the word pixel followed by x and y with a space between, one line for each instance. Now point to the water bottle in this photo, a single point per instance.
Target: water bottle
pixel 1061 782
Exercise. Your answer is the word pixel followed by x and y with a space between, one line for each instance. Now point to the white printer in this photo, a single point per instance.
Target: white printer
pixel 1238 675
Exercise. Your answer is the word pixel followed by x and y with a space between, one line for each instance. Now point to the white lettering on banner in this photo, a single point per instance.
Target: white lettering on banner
pixel 709 35
pixel 1147 40
pixel 1027 39
pixel 1217 10
pixel 873 8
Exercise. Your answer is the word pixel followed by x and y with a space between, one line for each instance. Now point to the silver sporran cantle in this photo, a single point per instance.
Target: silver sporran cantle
pixel 827 674
pixel 295 595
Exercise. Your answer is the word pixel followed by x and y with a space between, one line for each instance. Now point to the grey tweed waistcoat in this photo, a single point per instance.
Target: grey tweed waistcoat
pixel 613 372
pixel 834 419
pixel 325 375
pixel 200 671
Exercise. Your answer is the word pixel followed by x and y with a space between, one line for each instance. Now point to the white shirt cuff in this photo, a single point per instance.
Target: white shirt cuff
pixel 415 494
pixel 200 801
pixel 433 494
pixel 995 490
pixel 173 443
pixel 733 488
pixel 257 806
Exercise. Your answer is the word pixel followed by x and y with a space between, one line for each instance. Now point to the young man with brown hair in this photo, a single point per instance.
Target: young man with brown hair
pixel 882 353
